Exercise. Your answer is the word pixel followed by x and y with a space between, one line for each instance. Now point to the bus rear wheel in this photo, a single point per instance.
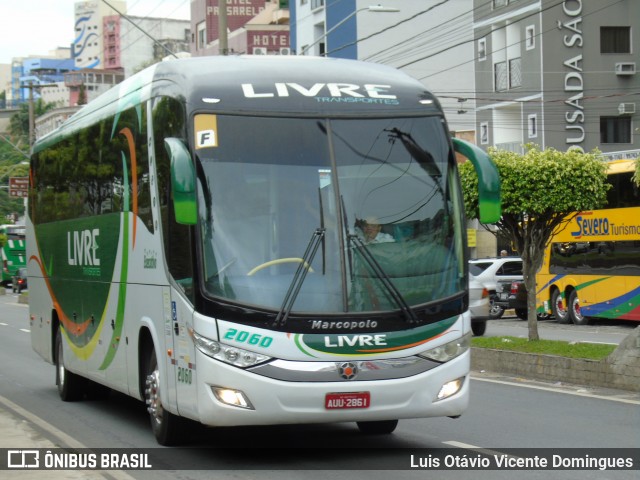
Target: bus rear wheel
pixel 70 385
pixel 166 426
pixel 574 310
pixel 558 308
pixel 383 427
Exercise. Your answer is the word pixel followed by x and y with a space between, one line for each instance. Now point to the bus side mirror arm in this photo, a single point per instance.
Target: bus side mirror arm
pixel 489 204
pixel 183 182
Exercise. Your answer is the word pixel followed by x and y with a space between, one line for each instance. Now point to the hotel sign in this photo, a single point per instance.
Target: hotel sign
pixel 573 39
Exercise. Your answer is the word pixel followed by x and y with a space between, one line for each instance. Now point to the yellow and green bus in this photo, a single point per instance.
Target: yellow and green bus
pixel 591 269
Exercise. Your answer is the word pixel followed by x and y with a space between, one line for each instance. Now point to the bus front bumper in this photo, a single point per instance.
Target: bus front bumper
pixel 229 396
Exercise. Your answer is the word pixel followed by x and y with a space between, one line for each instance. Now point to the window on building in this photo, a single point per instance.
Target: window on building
pixel 530 37
pixel 500 3
pixel 484 133
pixel 515 72
pixel 532 122
pixel 615 129
pixel 201 38
pixel 615 39
pixel 317 3
pixel 482 49
pixel 501 77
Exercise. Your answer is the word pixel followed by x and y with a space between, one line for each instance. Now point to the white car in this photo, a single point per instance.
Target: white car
pixel 492 273
pixel 478 306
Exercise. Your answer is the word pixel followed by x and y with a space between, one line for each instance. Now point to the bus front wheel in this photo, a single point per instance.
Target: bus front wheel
pixel 166 426
pixel 559 310
pixel 383 427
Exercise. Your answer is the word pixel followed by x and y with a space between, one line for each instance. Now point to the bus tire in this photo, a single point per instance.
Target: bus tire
pixel 478 328
pixel 166 426
pixel 383 427
pixel 558 308
pixel 70 385
pixel 574 310
pixel 522 313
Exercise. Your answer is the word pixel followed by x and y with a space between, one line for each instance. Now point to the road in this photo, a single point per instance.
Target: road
pixel 599 331
pixel 503 414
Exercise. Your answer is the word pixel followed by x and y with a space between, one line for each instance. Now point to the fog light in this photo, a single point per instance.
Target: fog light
pixel 450 388
pixel 232 397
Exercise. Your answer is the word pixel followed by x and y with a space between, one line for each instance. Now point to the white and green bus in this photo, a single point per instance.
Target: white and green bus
pixel 13 251
pixel 194 241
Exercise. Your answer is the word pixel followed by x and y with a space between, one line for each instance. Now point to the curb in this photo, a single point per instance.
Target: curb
pixel 620 370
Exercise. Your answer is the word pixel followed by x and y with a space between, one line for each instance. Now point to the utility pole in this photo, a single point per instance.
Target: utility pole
pixel 223 42
pixel 32 121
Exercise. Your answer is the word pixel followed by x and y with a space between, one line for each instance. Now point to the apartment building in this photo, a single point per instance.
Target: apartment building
pixel 558 73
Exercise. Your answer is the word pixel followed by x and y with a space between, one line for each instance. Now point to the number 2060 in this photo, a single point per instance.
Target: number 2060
pixel 248 338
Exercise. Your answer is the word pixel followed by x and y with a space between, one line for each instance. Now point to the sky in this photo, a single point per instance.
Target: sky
pixel 36 27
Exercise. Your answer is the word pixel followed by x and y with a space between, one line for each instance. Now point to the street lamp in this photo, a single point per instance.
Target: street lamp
pixel 371 8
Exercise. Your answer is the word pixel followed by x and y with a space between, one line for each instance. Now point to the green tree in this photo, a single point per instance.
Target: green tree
pixel 19 122
pixel 542 191
pixel 12 157
pixel 636 175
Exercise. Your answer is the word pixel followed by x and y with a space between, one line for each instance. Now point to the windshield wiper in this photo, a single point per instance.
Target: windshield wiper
pixel 383 277
pixel 298 278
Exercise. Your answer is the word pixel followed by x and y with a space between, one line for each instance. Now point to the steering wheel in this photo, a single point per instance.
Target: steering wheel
pixel 279 261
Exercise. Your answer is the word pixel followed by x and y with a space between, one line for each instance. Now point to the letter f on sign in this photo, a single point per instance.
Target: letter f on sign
pixel 206 131
pixel 207 138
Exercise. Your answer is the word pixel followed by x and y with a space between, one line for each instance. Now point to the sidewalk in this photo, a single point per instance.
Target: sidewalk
pixel 17 433
pixel 19 430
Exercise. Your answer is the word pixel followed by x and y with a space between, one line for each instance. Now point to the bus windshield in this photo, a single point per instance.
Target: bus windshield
pixel 376 198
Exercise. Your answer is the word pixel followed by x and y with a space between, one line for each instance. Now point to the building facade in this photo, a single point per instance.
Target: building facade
pixel 126 47
pixel 558 73
pixel 47 70
pixel 254 27
pixel 430 40
pixel 88 45
pixel 105 39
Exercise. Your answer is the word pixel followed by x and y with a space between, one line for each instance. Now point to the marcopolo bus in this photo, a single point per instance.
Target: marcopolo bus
pixel 592 267
pixel 197 240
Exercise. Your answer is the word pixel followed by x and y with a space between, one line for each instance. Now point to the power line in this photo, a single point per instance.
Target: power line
pixel 506 46
pixel 389 27
pixel 164 47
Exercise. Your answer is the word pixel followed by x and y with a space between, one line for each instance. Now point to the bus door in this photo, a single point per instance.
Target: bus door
pixel 181 361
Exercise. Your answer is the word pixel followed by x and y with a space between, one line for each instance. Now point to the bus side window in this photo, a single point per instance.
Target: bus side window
pixel 168 121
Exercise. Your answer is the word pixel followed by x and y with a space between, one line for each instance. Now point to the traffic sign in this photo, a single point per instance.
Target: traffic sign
pixel 18 186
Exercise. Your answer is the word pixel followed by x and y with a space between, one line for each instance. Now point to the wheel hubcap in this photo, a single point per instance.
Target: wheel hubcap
pixel 576 309
pixel 152 395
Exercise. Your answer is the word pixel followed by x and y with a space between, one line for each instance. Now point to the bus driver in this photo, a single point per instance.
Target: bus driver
pixel 370 232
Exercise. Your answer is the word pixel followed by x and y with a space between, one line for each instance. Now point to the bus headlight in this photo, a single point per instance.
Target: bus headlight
pixel 448 351
pixel 450 388
pixel 235 356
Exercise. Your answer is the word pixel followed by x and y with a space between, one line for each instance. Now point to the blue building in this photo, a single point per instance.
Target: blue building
pixel 36 71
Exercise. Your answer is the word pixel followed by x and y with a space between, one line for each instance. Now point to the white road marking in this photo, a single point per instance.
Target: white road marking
pixel 579 393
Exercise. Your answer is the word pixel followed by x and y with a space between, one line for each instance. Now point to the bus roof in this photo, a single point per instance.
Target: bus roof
pixel 265 85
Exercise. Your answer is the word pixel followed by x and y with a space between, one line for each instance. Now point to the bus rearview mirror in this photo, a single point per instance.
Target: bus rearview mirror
pixel 489 204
